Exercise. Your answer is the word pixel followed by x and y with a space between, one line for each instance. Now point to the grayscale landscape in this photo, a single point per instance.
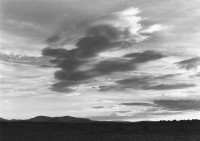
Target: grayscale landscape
pixel 117 69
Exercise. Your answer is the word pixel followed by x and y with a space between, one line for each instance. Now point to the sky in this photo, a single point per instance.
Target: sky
pixel 121 60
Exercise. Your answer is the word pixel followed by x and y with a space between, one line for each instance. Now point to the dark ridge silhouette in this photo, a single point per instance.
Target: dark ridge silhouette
pixel 40 119
pixel 2 119
pixel 58 119
pixel 42 128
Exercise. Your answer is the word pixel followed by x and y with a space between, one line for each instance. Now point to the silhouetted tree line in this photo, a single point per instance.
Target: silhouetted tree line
pixel 184 130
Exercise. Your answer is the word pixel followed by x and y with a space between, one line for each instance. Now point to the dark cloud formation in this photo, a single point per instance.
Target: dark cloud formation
pixel 57 53
pixel 86 47
pixel 189 64
pixel 105 33
pixel 120 65
pixel 145 83
pixel 134 80
pixel 110 66
pixel 108 88
pixel 99 38
pixel 178 105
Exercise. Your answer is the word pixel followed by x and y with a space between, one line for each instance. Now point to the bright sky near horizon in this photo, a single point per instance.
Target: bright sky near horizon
pixel 126 60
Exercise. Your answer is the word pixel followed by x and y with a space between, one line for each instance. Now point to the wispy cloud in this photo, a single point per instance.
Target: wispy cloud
pixel 155 28
pixel 23 25
pixel 148 82
pixel 158 108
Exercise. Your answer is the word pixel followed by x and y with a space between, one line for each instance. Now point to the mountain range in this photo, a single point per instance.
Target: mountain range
pixel 52 119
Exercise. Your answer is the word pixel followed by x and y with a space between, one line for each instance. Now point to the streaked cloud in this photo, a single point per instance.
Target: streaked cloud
pixel 159 108
pixel 179 105
pixel 188 64
pixel 137 104
pixel 148 82
pixel 170 86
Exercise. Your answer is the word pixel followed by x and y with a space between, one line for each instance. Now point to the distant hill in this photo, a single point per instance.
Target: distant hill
pixel 53 119
pixel 40 119
pixel 2 119
pixel 71 119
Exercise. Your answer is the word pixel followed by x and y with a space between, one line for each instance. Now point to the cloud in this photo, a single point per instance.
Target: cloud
pixel 83 62
pixel 137 104
pixel 28 60
pixel 70 66
pixel 154 28
pixel 158 109
pixel 137 82
pixel 74 76
pixel 140 116
pixel 198 74
pixel 178 105
pixel 124 25
pixel 145 56
pixel 99 107
pixel 128 24
pixel 111 66
pixel 168 76
pixel 169 86
pixel 148 82
pixel 57 53
pixel 189 64
pixel 63 87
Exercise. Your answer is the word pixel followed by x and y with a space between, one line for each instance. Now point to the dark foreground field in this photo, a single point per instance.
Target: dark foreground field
pixel 101 131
